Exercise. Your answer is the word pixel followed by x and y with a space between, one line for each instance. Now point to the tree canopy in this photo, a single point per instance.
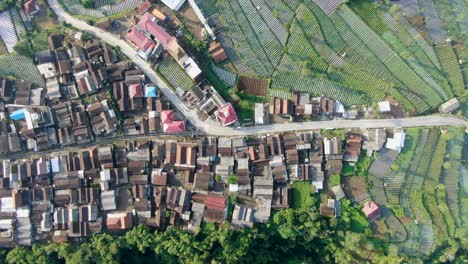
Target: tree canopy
pixel 300 235
pixel 6 4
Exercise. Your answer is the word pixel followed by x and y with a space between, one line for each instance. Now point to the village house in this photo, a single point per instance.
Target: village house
pixel 373 140
pixel 371 210
pixel 397 142
pixel 215 208
pixel 148 25
pixel 450 106
pixel 352 148
pixel 243 216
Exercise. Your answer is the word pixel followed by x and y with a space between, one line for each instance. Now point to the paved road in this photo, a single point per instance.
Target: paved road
pixel 212 128
pixel 432 120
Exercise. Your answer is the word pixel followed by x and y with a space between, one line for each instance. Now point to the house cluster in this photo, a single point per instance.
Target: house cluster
pixel 75 106
pixel 301 105
pixel 208 101
pixel 151 40
pixel 28 9
pixel 387 142
pixel 76 193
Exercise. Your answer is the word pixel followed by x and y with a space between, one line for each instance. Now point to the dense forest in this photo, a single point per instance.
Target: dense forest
pixel 292 236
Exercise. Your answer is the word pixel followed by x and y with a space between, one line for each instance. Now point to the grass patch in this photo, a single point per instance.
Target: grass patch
pixel 45 19
pixel 411 141
pixel 334 179
pixel 246 104
pixel 363 164
pixel 347 170
pixel 301 191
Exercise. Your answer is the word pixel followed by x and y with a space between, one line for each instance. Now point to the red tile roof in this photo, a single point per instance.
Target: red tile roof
pixel 167 116
pixel 115 223
pixel 227 115
pixel 135 90
pixel 139 39
pixel 371 209
pixel 147 24
pixel 143 7
pixel 174 127
pixel 215 202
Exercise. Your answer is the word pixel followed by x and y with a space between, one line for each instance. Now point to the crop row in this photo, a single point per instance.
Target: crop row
pixel 245 42
pixel 175 75
pixel 20 67
pixel 451 173
pixel 317 86
pixel 449 63
pixel 431 181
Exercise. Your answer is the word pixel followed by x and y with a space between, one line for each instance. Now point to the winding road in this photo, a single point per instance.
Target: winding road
pixel 213 128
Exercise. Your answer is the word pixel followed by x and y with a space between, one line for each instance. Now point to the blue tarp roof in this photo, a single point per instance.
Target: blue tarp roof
pixel 18 114
pixel 150 91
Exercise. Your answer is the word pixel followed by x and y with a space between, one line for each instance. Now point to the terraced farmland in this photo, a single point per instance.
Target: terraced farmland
pixel 365 56
pixel 424 183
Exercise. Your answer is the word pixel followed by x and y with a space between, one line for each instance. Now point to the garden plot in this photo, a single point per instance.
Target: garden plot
pixel 355 189
pixel 175 75
pixel 7 31
pixel 244 42
pixel 449 63
pixel 281 11
pixel 328 6
pixel 426 239
pixel 452 173
pixel 18 22
pixel 432 21
pixel 226 76
pixel 411 245
pixel 76 8
pixel 20 67
pixel 317 86
pixel 280 93
pixel 273 23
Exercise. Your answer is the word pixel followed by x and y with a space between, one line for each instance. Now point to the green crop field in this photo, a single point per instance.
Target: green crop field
pixel 423 182
pixel 359 53
pixel 175 75
pixel 21 68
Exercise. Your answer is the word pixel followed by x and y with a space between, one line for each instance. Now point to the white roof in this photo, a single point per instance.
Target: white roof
pixel 7 205
pixel 318 185
pixel 22 212
pixel 384 106
pixel 259 113
pixel 397 142
pixel 191 68
pixel 173 4
pixel 55 164
pixel 233 187
pixel 339 108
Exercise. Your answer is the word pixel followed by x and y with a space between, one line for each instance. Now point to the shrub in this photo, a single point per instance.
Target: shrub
pixel 232 179
pixel 23 47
